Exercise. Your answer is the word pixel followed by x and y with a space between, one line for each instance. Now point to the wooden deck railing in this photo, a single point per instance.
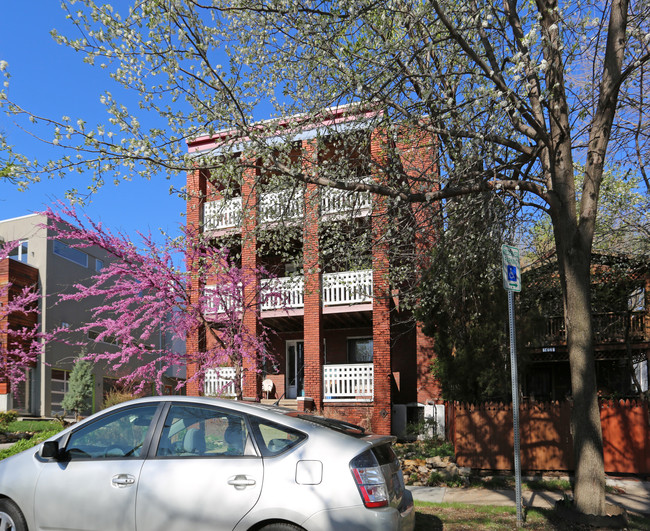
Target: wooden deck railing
pixel 608 327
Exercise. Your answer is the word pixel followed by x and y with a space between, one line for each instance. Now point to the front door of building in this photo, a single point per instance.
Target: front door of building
pixel 295 369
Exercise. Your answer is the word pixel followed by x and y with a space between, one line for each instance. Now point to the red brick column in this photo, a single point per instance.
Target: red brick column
pixel 381 329
pixel 252 387
pixel 313 316
pixel 195 342
pixel 418 152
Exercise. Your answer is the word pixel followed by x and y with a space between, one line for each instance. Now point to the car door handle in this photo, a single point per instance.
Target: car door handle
pixel 123 480
pixel 240 482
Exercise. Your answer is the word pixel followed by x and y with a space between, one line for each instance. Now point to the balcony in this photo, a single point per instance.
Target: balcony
pixel 608 328
pixel 286 205
pixel 341 383
pixel 222 214
pixel 343 288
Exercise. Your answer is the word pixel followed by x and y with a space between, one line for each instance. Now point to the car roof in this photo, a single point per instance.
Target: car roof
pixel 291 417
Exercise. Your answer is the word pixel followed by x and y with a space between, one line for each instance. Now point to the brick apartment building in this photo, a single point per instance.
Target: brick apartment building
pixel 343 345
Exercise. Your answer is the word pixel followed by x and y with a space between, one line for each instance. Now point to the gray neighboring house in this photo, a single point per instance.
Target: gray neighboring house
pixel 59 268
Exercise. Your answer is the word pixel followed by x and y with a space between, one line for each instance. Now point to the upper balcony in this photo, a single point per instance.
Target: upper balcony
pixel 612 327
pixel 286 205
pixel 349 289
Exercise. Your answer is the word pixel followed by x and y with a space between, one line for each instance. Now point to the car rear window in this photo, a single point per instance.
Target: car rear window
pixel 333 424
pixel 384 454
pixel 274 439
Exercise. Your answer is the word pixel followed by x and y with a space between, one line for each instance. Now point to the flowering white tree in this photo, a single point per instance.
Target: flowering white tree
pixel 521 97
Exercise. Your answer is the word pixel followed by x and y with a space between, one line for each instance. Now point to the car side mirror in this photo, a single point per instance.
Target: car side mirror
pixel 50 450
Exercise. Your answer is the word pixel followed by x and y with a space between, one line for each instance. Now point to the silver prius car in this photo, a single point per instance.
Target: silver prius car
pixel 194 464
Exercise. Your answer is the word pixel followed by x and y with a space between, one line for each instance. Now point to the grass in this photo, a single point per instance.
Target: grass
pixel 464 517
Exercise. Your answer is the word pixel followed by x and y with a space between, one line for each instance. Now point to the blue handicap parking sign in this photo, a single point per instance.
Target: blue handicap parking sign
pixel 512 273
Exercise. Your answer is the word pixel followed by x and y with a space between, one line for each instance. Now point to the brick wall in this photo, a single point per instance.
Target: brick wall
pixel 427 384
pixel 359 414
pixel 418 151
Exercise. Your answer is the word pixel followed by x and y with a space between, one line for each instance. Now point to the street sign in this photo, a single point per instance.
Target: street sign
pixel 511 268
pixel 512 282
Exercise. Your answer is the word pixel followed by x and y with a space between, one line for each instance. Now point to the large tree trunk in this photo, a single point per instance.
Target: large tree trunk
pixel 574 232
pixel 574 262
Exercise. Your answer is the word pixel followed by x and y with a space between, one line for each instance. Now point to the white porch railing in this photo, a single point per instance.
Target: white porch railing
pixel 220 382
pixel 290 290
pixel 278 206
pixel 347 287
pixel 224 302
pixel 350 382
pixel 335 201
pixel 284 205
pixel 222 214
pixel 342 288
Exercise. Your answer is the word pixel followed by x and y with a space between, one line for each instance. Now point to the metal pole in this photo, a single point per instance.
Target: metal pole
pixel 515 402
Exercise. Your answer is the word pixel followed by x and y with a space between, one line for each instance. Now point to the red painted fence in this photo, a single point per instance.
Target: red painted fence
pixel 483 436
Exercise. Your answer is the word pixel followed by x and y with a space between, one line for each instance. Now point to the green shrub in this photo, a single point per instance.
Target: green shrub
pixel 424 448
pixel 7 417
pixel 435 479
pixel 80 388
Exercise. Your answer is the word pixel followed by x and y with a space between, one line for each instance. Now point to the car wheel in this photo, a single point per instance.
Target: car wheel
pixel 11 519
pixel 281 526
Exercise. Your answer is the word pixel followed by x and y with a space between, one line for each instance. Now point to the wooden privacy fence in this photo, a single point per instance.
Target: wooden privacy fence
pixel 483 436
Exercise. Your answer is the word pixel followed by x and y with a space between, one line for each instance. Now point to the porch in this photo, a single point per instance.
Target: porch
pixel 343 288
pixel 348 382
pixel 286 205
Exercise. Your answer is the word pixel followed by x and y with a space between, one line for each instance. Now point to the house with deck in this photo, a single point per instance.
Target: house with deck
pixel 621 321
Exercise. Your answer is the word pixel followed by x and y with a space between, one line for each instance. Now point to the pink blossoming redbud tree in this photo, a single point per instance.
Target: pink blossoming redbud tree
pixel 20 346
pixel 145 294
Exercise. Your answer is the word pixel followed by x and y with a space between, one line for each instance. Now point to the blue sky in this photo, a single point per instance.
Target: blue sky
pixel 53 81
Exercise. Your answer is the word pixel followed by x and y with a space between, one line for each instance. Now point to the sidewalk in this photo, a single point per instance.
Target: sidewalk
pixel 634 496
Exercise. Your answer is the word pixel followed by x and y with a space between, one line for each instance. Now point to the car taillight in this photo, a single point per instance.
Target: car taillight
pixel 370 480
